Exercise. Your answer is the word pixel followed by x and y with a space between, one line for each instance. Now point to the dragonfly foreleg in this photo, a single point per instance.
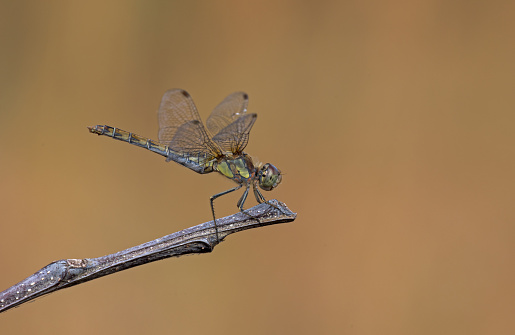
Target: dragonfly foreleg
pixel 260 198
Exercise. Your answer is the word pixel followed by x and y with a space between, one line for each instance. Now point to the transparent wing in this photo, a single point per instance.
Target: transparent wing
pixel 176 109
pixel 228 111
pixel 234 137
pixel 180 127
pixel 230 122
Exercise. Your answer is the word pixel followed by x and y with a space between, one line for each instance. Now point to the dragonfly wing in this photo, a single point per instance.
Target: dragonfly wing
pixel 228 111
pixel 176 109
pixel 180 127
pixel 235 136
pixel 191 138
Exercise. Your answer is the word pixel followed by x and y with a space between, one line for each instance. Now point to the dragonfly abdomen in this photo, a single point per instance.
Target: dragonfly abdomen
pixel 146 143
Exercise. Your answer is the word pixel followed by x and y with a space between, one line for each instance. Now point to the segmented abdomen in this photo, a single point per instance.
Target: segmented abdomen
pixel 196 163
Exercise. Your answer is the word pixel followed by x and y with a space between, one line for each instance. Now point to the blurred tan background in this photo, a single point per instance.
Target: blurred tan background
pixel 393 122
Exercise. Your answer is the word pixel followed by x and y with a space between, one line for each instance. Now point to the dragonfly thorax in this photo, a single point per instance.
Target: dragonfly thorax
pixel 238 168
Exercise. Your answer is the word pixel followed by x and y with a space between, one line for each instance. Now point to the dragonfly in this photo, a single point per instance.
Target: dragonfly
pixel 218 147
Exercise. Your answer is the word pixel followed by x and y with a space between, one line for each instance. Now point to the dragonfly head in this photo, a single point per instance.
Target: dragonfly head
pixel 269 177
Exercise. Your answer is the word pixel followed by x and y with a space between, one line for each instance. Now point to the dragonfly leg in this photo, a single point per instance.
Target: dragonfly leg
pixel 260 198
pixel 242 199
pixel 212 199
pixel 241 202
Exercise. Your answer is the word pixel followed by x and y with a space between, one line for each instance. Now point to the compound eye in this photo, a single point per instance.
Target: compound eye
pixel 269 177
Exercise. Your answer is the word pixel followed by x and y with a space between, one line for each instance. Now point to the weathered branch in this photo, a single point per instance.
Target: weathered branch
pixel 194 240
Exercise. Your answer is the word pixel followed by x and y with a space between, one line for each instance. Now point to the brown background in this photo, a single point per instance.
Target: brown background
pixel 393 122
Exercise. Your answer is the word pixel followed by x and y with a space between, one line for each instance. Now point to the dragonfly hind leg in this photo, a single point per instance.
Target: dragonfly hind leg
pixel 240 203
pixel 212 199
